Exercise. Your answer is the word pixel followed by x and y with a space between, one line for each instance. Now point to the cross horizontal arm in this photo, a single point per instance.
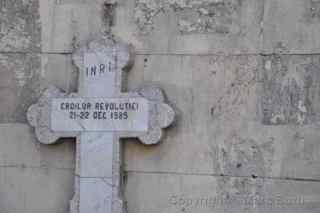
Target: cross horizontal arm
pixel 141 114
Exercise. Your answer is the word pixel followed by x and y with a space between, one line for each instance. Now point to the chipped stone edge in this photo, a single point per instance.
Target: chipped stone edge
pixel 39 116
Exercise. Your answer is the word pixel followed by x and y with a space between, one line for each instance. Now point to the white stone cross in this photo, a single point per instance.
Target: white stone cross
pixel 98 115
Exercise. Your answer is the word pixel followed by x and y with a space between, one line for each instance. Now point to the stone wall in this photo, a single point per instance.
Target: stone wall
pixel 243 76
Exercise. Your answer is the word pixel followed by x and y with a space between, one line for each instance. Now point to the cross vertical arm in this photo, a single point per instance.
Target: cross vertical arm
pixel 99 115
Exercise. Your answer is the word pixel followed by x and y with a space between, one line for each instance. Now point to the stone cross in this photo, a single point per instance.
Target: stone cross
pixel 98 115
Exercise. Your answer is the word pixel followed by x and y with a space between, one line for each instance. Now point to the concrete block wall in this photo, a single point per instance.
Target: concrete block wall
pixel 243 76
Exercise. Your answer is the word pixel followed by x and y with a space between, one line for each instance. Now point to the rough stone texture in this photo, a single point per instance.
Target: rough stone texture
pixel 195 16
pixel 20 28
pixel 173 26
pixel 291 90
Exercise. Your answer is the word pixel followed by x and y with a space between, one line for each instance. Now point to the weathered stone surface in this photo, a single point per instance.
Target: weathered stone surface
pixel 218 101
pixel 290 90
pixel 268 151
pixel 167 26
pixel 33 190
pixel 201 110
pixel 20 28
pixel 196 16
pixel 291 26
pixel 204 194
pixel 66 23
pixel 19 83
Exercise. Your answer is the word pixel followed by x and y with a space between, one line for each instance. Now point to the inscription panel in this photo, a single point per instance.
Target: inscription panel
pixel 99 114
